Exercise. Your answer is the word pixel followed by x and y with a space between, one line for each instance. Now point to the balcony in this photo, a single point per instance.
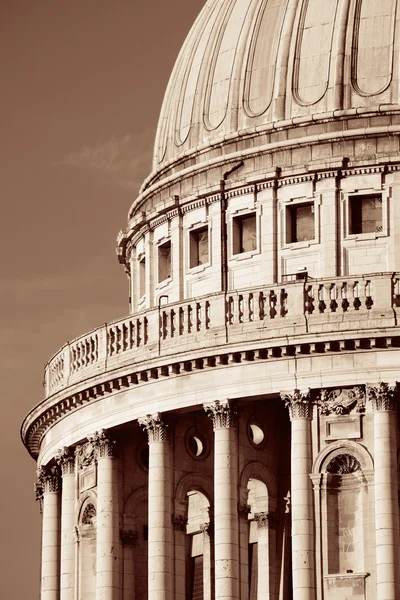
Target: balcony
pixel 262 314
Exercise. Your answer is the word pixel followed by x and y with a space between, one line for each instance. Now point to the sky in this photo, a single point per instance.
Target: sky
pixel 82 86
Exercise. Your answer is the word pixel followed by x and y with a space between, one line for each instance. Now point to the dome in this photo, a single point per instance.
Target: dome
pixel 250 66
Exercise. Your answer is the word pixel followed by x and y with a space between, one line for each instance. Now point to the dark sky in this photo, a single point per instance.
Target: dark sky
pixel 82 86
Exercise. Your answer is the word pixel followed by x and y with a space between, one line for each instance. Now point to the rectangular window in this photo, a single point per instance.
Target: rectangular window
pixel 300 223
pixel 365 213
pixel 164 262
pixel 142 277
pixel 198 239
pixel 197 592
pixel 244 230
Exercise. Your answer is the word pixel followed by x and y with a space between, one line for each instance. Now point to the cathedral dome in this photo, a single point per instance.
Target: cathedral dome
pixel 252 66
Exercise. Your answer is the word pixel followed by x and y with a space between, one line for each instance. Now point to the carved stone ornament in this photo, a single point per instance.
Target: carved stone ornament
pixel 38 489
pixel 86 455
pixel 157 430
pixel 103 444
pixel 343 464
pixel 65 459
pixel 244 511
pixel 129 537
pixel 341 401
pixel 262 519
pixel 89 515
pixel 49 479
pixel 223 414
pixel 179 523
pixel 207 528
pixel 299 404
pixel 383 397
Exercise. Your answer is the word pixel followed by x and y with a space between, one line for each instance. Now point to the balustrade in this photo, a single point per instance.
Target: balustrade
pixel 270 311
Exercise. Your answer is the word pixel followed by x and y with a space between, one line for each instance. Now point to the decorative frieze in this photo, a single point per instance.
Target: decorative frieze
pixel 223 414
pixel 179 522
pixel 65 458
pixel 343 464
pixel 129 537
pixel 103 444
pixel 86 455
pixel 49 479
pixel 383 397
pixel 341 401
pixel 157 429
pixel 299 404
pixel 89 515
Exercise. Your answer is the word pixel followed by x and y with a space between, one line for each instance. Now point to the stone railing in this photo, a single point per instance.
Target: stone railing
pixel 286 309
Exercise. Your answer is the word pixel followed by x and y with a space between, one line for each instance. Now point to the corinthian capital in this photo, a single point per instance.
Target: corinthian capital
pixel 157 430
pixel 383 397
pixel 223 414
pixel 65 459
pixel 49 479
pixel 103 444
pixel 299 404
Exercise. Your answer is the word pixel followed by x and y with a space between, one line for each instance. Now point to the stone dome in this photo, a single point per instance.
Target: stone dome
pixel 250 66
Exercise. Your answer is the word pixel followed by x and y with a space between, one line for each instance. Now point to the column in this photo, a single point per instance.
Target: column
pixel 66 461
pixel 226 526
pixel 160 569
pixel 108 545
pixel 263 567
pixel 49 480
pixel 302 505
pixel 384 402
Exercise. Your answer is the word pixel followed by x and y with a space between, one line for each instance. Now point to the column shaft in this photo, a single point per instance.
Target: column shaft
pixel 65 459
pixel 226 521
pixel 160 569
pixel 50 575
pixel 108 545
pixel 386 494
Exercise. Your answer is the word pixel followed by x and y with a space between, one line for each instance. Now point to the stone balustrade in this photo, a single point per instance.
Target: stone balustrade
pixel 289 308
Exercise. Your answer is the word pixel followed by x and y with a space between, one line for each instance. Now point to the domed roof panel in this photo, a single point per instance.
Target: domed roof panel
pixel 251 64
pixel 260 67
pixel 374 36
pixel 313 50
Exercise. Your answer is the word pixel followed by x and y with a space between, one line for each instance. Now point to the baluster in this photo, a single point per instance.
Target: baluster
pixel 250 307
pixel 131 335
pixel 172 321
pixel 344 292
pixel 321 299
pixel 190 318
pixel 207 314
pixel 358 295
pixel 139 331
pixel 261 306
pixel 198 316
pixel 368 295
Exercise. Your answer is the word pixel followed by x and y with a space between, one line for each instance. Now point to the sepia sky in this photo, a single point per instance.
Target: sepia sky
pixel 82 85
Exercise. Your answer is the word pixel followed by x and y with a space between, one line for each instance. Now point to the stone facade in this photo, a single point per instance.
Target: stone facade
pixel 236 436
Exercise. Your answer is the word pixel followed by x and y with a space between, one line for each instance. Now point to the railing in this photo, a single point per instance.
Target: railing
pixel 217 319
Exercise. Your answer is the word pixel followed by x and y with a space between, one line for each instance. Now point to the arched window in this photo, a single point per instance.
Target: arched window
pixel 259 539
pixel 86 539
pixel 198 548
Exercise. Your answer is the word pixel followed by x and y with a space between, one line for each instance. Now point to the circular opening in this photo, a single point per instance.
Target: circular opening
pixel 256 434
pixel 196 446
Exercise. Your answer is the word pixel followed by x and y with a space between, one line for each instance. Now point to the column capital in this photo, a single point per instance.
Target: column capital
pixel 224 414
pixel 383 396
pixel 207 529
pixel 179 522
pixel 49 479
pixel 103 444
pixel 157 429
pixel 299 404
pixel 262 519
pixel 65 458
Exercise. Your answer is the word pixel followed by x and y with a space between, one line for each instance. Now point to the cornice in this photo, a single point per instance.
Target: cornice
pixel 68 400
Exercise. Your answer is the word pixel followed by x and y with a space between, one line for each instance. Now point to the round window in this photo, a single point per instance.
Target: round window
pixel 256 434
pixel 196 444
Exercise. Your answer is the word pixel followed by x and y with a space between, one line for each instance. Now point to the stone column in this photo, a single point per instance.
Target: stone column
pixel 384 403
pixel 206 529
pixel 49 480
pixel 302 504
pixel 66 461
pixel 226 526
pixel 263 567
pixel 108 545
pixel 160 586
